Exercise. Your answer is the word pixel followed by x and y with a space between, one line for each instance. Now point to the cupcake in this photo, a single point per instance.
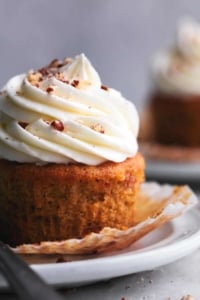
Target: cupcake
pixel 69 160
pixel 175 98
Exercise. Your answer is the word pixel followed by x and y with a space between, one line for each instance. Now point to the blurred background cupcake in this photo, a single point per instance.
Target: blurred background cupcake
pixel 175 99
pixel 169 133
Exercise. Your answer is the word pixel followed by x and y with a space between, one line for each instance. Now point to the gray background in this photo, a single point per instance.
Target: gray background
pixel 119 36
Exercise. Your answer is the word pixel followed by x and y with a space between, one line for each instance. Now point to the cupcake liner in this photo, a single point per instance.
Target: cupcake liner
pixel 155 205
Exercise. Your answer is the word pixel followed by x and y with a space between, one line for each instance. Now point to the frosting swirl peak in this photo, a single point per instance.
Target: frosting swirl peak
pixel 188 40
pixel 62 114
pixel 82 70
pixel 178 69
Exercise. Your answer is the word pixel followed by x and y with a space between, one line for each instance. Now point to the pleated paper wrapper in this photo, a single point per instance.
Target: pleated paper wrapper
pixel 155 205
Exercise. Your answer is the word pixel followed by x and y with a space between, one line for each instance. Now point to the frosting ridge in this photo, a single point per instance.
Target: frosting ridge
pixel 62 113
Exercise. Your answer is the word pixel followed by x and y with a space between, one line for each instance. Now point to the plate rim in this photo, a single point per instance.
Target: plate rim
pixel 185 247
pixel 164 169
pixel 120 260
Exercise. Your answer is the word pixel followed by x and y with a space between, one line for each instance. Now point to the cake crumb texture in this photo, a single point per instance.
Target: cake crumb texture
pixel 58 202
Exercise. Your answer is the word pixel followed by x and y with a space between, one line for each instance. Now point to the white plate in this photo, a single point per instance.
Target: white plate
pixel 172 241
pixel 164 170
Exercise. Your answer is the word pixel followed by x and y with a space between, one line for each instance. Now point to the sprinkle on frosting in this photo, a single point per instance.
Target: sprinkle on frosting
pixel 62 113
pixel 58 125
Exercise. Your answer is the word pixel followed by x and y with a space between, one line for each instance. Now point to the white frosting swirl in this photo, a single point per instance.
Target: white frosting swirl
pixel 98 124
pixel 178 69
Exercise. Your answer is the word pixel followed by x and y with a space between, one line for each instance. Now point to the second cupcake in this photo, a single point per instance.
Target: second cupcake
pixel 175 100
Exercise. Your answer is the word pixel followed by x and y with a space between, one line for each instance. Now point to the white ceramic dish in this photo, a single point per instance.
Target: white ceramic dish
pixel 165 170
pixel 172 241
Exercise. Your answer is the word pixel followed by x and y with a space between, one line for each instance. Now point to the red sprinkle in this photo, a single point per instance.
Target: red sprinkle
pixel 23 124
pixel 58 125
pixel 103 87
pixel 53 63
pixel 50 89
pixel 75 83
pixel 44 71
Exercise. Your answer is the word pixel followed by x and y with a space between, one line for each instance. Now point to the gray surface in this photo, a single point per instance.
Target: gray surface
pixel 118 36
pixel 170 282
pixel 174 281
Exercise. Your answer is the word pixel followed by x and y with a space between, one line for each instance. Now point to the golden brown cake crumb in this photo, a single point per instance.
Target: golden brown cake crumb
pixel 176 119
pixel 58 201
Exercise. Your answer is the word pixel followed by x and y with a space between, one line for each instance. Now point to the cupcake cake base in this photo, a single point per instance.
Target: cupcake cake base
pixel 155 205
pixel 56 202
pixel 176 119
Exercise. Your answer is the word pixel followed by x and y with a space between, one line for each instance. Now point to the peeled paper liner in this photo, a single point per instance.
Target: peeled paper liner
pixel 155 205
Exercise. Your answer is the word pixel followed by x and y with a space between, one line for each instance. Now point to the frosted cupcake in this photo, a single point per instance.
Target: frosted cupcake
pixel 69 155
pixel 175 100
